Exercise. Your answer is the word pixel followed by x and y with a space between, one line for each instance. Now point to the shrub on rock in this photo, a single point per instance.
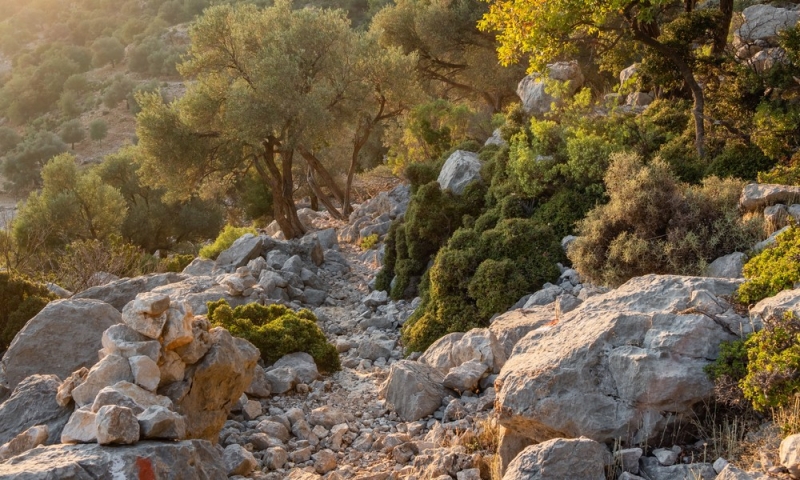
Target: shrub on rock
pixel 276 331
pixel 225 239
pixel 772 270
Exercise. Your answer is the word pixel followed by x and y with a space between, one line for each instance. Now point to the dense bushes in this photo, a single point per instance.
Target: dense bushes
pixel 655 224
pixel 276 331
pixel 763 369
pixel 479 274
pixel 21 300
pixel 772 270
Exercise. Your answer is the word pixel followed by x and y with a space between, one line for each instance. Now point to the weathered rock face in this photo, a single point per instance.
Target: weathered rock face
pixel 511 326
pixel 558 459
pixel 187 460
pixel 215 384
pixel 244 249
pixel 120 292
pixel 414 389
pixel 531 90
pixel 460 169
pixel 69 331
pixel 756 196
pixel 777 306
pixel 764 22
pixel 33 402
pixel 30 438
pixel 455 349
pixel 729 266
pixel 610 368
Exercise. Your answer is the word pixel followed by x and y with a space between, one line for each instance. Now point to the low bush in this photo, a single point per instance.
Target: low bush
pixel 774 269
pixel 654 223
pixel 369 242
pixel 478 274
pixel 176 263
pixel 276 331
pixel 21 300
pixel 227 236
pixel 773 363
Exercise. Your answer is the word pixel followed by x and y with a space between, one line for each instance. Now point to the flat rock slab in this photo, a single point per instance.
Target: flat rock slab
pixel 187 460
pixel 757 196
pixel 69 331
pixel 33 403
pixel 120 292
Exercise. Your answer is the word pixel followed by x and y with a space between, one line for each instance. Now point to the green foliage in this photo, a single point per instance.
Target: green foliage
pixel 369 242
pixel 773 363
pixel 774 269
pixel 176 263
pixel 740 161
pixel 118 91
pixel 107 50
pixel 23 164
pixel 22 299
pixel 479 274
pixel 98 129
pixel 421 173
pixel 8 140
pixel 655 224
pixel 731 362
pixel 72 132
pixel 227 236
pixel 276 331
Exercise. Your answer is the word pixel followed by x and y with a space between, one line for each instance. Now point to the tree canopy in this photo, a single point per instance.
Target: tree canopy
pixel 270 84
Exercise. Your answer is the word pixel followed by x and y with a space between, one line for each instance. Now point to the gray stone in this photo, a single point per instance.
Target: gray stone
pixel 199 267
pixel 627 74
pixel 129 395
pixel 303 365
pixel 281 380
pixel 244 249
pixel 188 460
pixel 465 377
pixel 637 351
pixel 728 266
pixel 178 328
pixel 260 386
pixel 145 372
pixel 376 347
pixel 376 299
pixel 80 428
pixel 314 297
pixel 140 314
pixel 238 461
pixel 192 352
pixel 531 90
pixel 665 456
pixel 108 371
pixel 413 389
pixel 274 430
pixel 650 468
pixel 639 99
pixel 116 425
pixel 544 296
pixel 732 473
pixel 764 22
pixel 495 139
pixel 324 461
pixel 789 454
pixel 157 422
pixel 628 459
pixel 454 349
pixel 559 459
pixel 757 196
pixel 460 169
pixel 126 342
pixel 326 416
pixel 69 331
pixel 119 293
pixel 30 438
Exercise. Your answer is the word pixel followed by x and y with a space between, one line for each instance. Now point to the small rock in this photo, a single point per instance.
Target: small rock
pixel 158 422
pixel 324 461
pixel 145 372
pixel 80 428
pixel 116 425
pixel 238 461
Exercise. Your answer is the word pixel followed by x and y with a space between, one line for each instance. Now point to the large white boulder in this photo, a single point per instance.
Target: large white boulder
pixel 757 196
pixel 614 366
pixel 531 90
pixel 764 22
pixel 460 169
pixel 413 389
pixel 454 349
pixel 558 459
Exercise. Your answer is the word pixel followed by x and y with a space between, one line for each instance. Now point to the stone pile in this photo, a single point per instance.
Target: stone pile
pixel 375 216
pixel 163 375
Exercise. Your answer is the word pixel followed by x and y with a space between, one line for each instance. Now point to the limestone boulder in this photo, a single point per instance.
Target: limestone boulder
pixel 611 368
pixel 120 292
pixel 80 428
pixel 511 326
pixel 60 339
pixel 302 364
pixel 32 403
pixel 764 22
pixel 757 196
pixel 244 249
pixel 413 389
pixel 531 90
pixel 126 342
pixel 461 169
pixel 214 384
pixel 789 454
pixel 116 425
pixel 558 459
pixel 30 438
pixel 728 266
pixel 108 371
pixel 454 349
pixel 187 460
pixel 158 422
pixel 777 306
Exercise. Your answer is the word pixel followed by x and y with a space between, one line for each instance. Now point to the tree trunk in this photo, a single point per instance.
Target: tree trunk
pixel 314 202
pixel 358 144
pixel 326 177
pixel 281 185
pixel 724 26
pixel 321 195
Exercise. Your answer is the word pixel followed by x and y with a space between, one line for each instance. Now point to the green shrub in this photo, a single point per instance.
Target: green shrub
pixel 369 242
pixel 740 161
pixel 479 274
pixel 227 236
pixel 421 173
pixel 774 269
pixel 176 263
pixel 21 300
pixel 276 331
pixel 655 224
pixel 773 363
